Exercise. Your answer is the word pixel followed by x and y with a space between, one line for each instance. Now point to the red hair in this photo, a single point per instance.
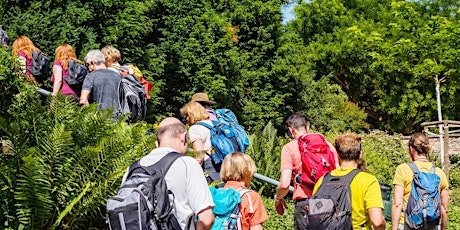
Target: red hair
pixel 64 53
pixel 24 44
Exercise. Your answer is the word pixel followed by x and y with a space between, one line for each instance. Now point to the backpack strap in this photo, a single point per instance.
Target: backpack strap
pixel 165 163
pixel 413 167
pixel 205 124
pixel 214 123
pixel 347 178
pixel 433 169
pixel 162 165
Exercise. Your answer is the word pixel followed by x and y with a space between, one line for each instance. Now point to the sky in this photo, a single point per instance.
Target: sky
pixel 288 12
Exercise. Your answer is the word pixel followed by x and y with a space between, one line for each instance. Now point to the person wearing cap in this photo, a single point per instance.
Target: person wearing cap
pixel 203 99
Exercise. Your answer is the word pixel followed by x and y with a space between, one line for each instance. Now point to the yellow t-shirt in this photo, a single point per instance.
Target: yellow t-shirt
pixel 404 177
pixel 365 194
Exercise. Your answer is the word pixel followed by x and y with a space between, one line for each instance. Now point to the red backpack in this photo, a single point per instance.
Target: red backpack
pixel 317 158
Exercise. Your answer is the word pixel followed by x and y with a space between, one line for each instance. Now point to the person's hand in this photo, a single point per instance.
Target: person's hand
pixel 280 205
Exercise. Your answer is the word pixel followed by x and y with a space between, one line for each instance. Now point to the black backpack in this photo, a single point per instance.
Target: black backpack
pixel 144 201
pixel 131 99
pixel 330 206
pixel 40 65
pixel 4 39
pixel 77 74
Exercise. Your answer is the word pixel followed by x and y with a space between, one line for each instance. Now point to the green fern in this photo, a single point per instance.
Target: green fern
pixel 265 149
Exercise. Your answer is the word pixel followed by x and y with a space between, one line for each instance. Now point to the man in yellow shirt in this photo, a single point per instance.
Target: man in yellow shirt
pixel 366 197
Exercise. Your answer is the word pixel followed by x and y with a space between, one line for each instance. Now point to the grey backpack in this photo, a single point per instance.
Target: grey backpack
pixel 131 99
pixel 144 202
pixel 330 206
pixel 4 39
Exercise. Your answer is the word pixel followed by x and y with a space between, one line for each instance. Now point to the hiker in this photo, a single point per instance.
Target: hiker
pixel 185 179
pixel 291 167
pixel 419 148
pixel 200 137
pixel 237 171
pixel 23 47
pixel 101 82
pixel 64 53
pixel 112 58
pixel 366 197
pixel 203 99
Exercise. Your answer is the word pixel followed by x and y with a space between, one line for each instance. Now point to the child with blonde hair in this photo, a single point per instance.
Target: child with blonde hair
pixel 237 171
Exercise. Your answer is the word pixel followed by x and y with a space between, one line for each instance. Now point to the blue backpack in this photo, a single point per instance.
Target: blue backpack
pixel 227 211
pixel 423 206
pixel 226 116
pixel 227 136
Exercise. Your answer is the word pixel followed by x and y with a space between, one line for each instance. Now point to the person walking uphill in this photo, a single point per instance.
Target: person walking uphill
pixel 190 196
pixel 406 179
pixel 291 169
pixel 23 47
pixel 366 198
pixel 203 99
pixel 64 53
pixel 101 82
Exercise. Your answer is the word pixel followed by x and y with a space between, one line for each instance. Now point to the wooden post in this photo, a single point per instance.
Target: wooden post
pixel 446 149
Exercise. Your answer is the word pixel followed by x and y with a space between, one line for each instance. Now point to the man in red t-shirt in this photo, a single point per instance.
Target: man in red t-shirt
pixel 291 165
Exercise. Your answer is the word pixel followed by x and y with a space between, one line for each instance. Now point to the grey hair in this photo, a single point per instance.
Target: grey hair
pixel 95 56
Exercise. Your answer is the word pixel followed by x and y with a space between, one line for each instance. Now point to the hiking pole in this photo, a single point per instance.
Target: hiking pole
pixel 43 91
pixel 270 180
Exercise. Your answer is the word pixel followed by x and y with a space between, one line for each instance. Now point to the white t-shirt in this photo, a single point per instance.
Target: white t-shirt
pixel 186 181
pixel 200 132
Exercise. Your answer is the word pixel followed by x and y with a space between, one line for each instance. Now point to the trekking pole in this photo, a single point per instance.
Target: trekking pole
pixel 270 180
pixel 43 91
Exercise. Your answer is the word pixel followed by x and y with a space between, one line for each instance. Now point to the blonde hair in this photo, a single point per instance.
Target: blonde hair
pixel 24 44
pixel 420 143
pixel 64 53
pixel 195 112
pixel 111 54
pixel 237 166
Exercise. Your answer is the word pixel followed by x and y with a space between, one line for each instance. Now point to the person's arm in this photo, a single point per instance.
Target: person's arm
pixel 205 219
pixel 396 207
pixel 57 73
pixel 444 210
pixel 282 191
pixel 84 97
pixel 23 62
pixel 377 219
pixel 256 227
pixel 198 145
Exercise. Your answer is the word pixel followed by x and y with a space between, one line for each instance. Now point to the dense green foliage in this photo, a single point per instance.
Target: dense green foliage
pixel 386 55
pixel 236 51
pixel 349 65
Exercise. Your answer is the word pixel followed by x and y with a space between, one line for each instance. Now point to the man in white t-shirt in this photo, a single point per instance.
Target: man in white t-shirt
pixel 185 178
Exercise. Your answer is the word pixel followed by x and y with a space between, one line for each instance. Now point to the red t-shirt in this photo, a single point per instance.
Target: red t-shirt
pixel 253 212
pixel 290 159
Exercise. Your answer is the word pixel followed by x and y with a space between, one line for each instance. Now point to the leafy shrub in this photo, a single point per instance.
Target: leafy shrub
pixel 383 153
pixel 276 221
pixel 65 162
pixel 265 149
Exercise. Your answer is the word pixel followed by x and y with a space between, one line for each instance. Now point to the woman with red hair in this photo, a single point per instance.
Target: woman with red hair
pixel 23 48
pixel 64 53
